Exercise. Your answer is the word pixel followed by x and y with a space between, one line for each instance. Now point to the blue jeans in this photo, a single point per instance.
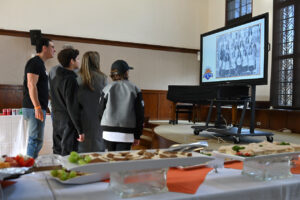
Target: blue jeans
pixel 35 131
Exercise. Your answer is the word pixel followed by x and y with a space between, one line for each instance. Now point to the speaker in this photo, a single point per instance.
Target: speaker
pixel 34 36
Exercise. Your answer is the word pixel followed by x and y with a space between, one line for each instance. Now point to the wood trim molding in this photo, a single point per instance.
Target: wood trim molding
pixel 101 41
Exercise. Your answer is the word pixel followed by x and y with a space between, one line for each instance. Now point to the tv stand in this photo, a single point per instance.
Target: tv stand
pixel 235 132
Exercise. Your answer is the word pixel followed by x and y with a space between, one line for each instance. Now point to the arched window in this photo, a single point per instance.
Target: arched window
pixel 285 83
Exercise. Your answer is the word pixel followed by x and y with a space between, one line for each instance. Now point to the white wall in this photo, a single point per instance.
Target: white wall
pixel 216 19
pixel 260 7
pixel 176 23
pixel 163 22
pixel 152 69
pixel 216 14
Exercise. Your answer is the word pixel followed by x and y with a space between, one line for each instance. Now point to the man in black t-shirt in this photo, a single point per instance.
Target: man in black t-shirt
pixel 35 96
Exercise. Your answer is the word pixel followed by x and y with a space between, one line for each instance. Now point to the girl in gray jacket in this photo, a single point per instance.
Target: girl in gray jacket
pixel 91 81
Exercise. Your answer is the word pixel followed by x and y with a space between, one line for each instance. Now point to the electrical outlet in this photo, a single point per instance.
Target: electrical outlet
pixel 258 123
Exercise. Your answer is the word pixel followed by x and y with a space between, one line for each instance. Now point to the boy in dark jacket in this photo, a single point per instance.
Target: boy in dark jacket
pixel 65 107
pixel 121 110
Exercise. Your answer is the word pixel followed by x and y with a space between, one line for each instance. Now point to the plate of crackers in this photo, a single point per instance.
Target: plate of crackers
pixel 103 162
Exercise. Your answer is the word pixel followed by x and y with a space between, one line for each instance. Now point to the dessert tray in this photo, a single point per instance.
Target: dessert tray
pixel 258 151
pixel 260 157
pixel 141 163
pixel 263 161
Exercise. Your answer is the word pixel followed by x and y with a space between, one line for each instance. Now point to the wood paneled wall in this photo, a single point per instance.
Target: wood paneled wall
pixel 156 104
pixel 11 96
pixel 157 107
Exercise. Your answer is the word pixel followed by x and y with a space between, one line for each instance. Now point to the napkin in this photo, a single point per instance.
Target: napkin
pixel 296 168
pixel 234 165
pixel 186 181
pixel 5 184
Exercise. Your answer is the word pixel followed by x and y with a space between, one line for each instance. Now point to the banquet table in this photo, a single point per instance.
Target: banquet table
pixel 227 184
pixel 14 135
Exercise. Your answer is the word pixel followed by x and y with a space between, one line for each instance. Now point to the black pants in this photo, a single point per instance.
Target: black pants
pixel 64 136
pixel 117 146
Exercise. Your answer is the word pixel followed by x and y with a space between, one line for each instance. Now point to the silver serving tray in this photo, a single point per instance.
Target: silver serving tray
pixel 190 146
pixel 13 172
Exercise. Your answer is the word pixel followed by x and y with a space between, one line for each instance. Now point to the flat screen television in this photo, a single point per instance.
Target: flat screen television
pixel 236 54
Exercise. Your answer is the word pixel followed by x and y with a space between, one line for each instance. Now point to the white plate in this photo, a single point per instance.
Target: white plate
pixel 241 158
pixel 132 165
pixel 84 179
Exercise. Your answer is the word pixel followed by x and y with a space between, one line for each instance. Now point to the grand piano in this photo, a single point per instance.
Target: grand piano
pixel 218 95
pixel 201 95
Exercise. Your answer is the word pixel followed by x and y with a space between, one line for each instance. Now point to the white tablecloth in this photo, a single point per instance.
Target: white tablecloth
pixel 14 135
pixel 228 184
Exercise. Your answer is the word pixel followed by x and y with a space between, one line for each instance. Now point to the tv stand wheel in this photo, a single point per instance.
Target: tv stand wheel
pixel 269 138
pixel 196 132
pixel 236 139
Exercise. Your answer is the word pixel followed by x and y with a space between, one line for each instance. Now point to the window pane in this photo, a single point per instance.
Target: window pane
pixel 291 11
pixel 290 24
pixel 230 15
pixel 230 5
pixel 287 12
pixel 237 13
pixel 244 2
pixel 286 82
pixel 287 34
pixel 290 36
pixel 237 3
pixel 286 48
pixel 249 8
pixel 239 7
pixel 287 24
pixel 286 64
pixel 244 10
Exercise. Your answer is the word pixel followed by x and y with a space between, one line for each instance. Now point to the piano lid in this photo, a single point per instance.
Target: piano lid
pixel 203 94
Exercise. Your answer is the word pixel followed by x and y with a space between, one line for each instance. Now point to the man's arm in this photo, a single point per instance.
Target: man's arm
pixel 32 80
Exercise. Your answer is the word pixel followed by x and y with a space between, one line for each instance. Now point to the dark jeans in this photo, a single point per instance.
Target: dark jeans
pixel 64 136
pixel 117 146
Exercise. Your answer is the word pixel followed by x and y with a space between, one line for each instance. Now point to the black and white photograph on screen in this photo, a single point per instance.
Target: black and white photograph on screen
pixel 238 53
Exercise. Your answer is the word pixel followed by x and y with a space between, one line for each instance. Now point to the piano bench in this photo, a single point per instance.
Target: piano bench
pixel 182 108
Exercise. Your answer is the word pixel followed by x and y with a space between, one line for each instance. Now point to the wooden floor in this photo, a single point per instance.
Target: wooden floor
pixel 151 140
pixel 167 134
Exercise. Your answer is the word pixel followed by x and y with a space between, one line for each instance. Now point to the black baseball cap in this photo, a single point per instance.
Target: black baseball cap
pixel 120 66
